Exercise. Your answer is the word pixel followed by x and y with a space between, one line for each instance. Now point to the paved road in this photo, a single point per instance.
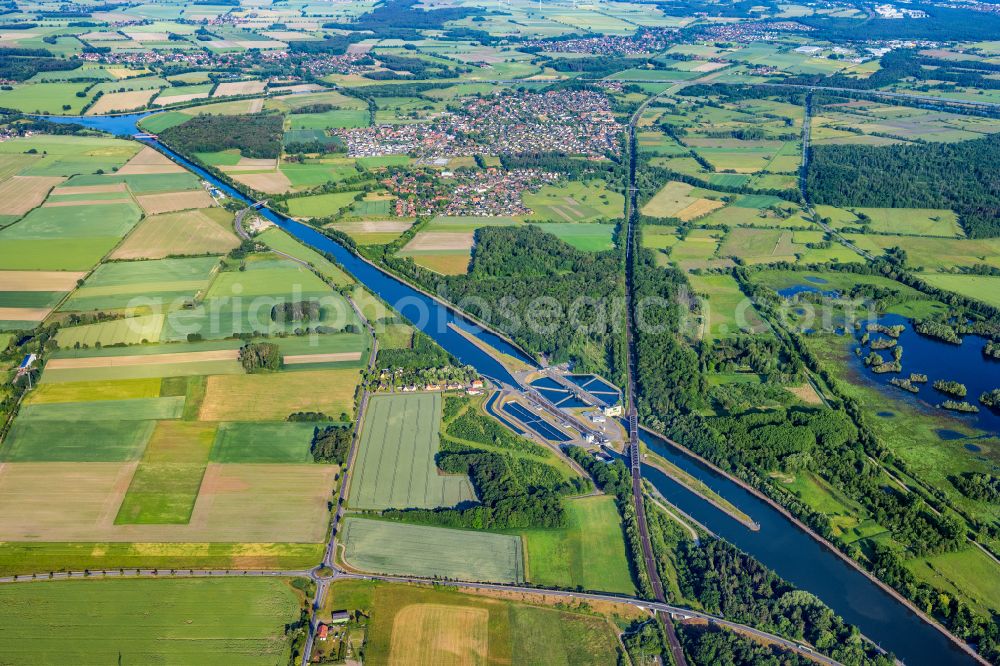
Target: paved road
pixel 338 574
pixel 329 556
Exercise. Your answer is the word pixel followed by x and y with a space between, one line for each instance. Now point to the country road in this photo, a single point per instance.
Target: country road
pixel 339 574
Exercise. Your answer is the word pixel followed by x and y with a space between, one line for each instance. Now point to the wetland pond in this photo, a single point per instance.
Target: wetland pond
pixel 964 363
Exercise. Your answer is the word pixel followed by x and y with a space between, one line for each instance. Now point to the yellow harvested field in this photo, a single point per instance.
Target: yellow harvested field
pixel 24 314
pixel 259 163
pixel 89 495
pixel 299 359
pixel 439 635
pixel 272 397
pixel 125 72
pixel 272 182
pixel 189 232
pixel 177 99
pixel 147 161
pixel 806 393
pixel 39 280
pixel 255 105
pixel 698 208
pixel 91 189
pixel 119 389
pixel 141 37
pixel 84 202
pixel 374 226
pixel 445 264
pixel 670 200
pixel 440 240
pixel 709 66
pixel 239 88
pixel 20 194
pixel 147 359
pixel 168 202
pixel 121 101
pixel 289 504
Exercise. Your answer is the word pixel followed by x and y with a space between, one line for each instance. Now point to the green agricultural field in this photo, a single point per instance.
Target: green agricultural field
pixel 30 299
pixel 45 98
pixel 282 242
pixel 31 557
pixel 129 331
pixel 142 183
pixel 320 205
pixel 166 482
pixel 310 174
pixel 589 553
pixel 586 237
pixel 395 462
pixel 387 547
pixel 272 397
pixel 969 574
pixel 935 253
pixel 93 391
pixel 158 282
pixel 67 254
pixel 66 441
pixel 574 201
pixel 88 221
pixel 659 237
pixel 267 277
pixel 70 155
pixel 555 637
pixel 916 221
pixel 461 223
pixel 728 310
pixel 138 409
pixel 162 121
pixel 338 118
pixel 263 442
pixel 200 621
pixel 985 288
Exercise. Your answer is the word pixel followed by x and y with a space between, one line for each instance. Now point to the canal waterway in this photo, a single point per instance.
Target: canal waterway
pixel 780 543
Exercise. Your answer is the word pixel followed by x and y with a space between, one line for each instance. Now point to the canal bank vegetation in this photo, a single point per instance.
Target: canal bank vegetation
pixel 714 576
pixel 729 400
pixel 696 486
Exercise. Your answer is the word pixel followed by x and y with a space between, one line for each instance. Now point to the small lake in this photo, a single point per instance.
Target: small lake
pixel 962 363
pixel 797 289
